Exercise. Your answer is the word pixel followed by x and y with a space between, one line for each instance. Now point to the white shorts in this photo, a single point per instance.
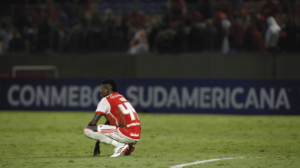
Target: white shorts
pixel 114 133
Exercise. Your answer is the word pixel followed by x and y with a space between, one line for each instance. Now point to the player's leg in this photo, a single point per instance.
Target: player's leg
pixel 92 132
pixel 101 135
pixel 114 133
pixel 117 135
pixel 130 150
pixel 94 128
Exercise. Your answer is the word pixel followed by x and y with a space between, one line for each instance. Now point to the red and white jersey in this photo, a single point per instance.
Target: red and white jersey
pixel 140 38
pixel 119 112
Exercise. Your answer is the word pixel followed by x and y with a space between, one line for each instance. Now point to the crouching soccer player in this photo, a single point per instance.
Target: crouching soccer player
pixel 124 128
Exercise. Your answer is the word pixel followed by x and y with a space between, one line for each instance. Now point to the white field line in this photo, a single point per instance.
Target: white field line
pixel 211 160
pixel 203 161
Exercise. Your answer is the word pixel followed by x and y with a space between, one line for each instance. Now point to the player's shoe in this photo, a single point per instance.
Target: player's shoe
pixel 129 150
pixel 119 150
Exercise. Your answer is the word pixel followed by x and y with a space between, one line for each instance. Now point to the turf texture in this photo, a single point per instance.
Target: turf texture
pixel 56 139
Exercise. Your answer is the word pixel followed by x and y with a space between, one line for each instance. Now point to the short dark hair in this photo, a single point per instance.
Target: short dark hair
pixel 113 83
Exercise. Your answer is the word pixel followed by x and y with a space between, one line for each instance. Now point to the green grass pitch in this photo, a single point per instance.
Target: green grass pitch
pixel 56 139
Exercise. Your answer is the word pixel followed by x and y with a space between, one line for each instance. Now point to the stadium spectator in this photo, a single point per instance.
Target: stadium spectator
pixel 16 44
pixel 21 19
pixel 51 11
pixel 54 43
pixel 288 39
pixel 219 22
pixel 79 16
pixel 298 35
pixel 195 36
pixel 125 26
pixel 272 34
pixel 94 35
pixel 260 22
pixel 245 17
pixel 5 36
pixel 139 43
pixel 197 15
pixel 166 16
pixel 284 6
pixel 33 13
pixel 154 29
pixel 207 8
pixel 2 44
pixel 43 33
pixel 136 17
pixel 225 6
pixel 93 7
pixel 164 39
pixel 254 41
pixel 64 18
pixel 76 38
pixel 109 26
pixel 192 16
pixel 179 41
pixel 211 36
pixel 106 30
pixel 177 9
pixel 296 10
pixel 237 32
pixel 67 9
pixel 118 42
pixel 28 34
pixel 236 4
pixel 270 9
pixel 226 24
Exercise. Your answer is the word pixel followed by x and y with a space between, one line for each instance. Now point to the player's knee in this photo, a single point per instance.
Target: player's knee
pixel 87 131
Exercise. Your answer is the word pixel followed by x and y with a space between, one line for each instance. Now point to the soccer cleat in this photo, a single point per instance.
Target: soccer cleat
pixel 120 150
pixel 129 150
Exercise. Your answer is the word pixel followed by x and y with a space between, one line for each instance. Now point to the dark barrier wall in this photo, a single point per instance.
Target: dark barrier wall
pixel 188 65
pixel 156 95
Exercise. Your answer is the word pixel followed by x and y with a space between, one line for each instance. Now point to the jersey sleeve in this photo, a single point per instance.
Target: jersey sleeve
pixel 103 107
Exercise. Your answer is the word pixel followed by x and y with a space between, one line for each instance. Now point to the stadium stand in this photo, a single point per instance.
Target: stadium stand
pixel 81 26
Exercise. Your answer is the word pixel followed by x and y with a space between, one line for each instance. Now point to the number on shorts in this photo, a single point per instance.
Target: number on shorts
pixel 128 110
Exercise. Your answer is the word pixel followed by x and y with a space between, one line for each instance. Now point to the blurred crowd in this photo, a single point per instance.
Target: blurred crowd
pixel 173 26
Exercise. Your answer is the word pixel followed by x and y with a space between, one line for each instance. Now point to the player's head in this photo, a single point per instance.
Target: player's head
pixel 108 86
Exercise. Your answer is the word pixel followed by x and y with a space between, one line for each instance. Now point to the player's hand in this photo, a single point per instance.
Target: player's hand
pixel 97 149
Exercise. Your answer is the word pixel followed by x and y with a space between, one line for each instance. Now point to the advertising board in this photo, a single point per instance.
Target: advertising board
pixel 217 96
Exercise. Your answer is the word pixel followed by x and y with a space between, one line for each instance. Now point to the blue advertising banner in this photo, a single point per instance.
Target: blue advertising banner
pixel 218 96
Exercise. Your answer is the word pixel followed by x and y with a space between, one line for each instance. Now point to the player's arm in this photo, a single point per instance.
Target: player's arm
pixel 95 119
pixel 93 126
